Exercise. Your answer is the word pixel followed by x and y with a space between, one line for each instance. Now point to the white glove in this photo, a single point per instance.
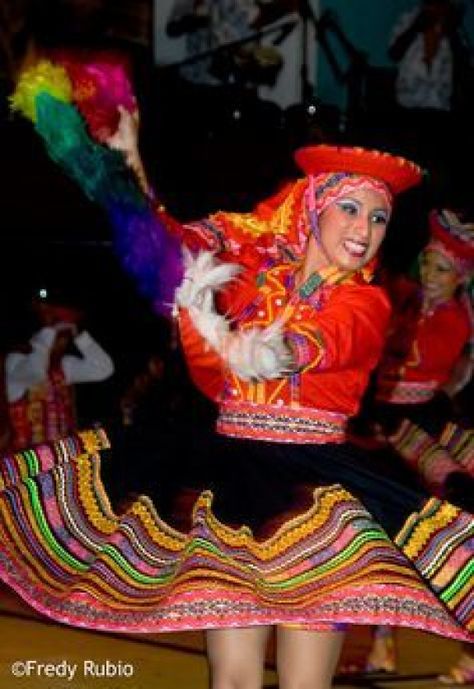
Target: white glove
pixel 203 274
pixel 258 354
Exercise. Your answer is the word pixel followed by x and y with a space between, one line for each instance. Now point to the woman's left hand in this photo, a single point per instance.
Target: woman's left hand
pixel 258 353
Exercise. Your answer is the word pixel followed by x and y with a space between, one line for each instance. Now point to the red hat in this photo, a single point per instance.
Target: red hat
pixel 457 237
pixel 397 173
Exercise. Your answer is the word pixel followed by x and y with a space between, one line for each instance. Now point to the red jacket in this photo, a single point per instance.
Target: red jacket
pixel 422 349
pixel 337 333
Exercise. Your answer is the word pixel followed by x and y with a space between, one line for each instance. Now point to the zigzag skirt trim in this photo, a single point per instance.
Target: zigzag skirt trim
pixel 70 557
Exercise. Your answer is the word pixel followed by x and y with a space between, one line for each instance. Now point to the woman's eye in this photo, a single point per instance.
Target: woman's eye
pixel 348 207
pixel 380 218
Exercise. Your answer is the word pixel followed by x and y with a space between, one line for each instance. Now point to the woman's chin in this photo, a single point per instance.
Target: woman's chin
pixel 434 295
pixel 352 262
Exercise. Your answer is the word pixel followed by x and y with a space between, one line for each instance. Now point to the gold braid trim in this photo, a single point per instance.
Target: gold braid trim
pixel 94 440
pixel 141 509
pixel 160 533
pixel 85 474
pixel 423 528
pixel 293 530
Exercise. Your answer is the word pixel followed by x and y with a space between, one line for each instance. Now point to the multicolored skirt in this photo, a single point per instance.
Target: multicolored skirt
pixel 306 535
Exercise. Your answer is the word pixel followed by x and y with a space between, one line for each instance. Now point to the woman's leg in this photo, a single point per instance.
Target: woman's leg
pixel 463 670
pixel 307 659
pixel 382 655
pixel 236 657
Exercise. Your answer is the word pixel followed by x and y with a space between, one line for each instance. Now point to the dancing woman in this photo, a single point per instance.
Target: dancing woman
pixel 301 531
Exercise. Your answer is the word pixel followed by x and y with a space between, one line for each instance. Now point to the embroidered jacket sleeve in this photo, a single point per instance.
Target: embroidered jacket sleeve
pixel 217 234
pixel 94 364
pixel 204 363
pixel 271 228
pixel 348 332
pixel 24 371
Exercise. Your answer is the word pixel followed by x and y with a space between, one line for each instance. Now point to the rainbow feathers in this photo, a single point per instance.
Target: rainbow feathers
pixel 73 105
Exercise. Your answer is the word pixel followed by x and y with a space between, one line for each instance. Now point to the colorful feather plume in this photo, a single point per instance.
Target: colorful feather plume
pixel 74 108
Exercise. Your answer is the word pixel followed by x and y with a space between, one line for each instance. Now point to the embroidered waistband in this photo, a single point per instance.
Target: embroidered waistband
pixel 404 392
pixel 280 423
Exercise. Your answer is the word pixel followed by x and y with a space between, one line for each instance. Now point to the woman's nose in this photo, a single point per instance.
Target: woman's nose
pixel 363 228
pixel 428 273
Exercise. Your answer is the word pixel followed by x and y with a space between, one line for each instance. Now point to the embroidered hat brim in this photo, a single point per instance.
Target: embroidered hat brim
pixel 399 174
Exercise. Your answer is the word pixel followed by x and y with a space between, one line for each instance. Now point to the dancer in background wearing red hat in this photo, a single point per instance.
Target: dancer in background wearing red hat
pixel 40 380
pixel 427 361
pixel 282 328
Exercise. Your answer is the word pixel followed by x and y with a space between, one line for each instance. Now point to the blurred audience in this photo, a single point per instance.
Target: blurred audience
pixel 426 43
pixel 433 64
pixel 208 25
pixel 40 374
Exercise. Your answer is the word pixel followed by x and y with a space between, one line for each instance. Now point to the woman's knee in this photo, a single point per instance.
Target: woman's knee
pixel 307 659
pixel 223 677
pixel 236 657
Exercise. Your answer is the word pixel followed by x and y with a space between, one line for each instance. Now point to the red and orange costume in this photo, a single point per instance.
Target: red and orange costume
pixel 332 560
pixel 335 322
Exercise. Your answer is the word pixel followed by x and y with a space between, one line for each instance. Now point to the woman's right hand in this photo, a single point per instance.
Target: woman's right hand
pixel 125 140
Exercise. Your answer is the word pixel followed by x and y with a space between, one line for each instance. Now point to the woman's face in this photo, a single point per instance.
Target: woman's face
pixel 353 227
pixel 438 276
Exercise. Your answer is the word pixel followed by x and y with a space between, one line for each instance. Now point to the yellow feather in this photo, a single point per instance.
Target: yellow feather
pixel 43 77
